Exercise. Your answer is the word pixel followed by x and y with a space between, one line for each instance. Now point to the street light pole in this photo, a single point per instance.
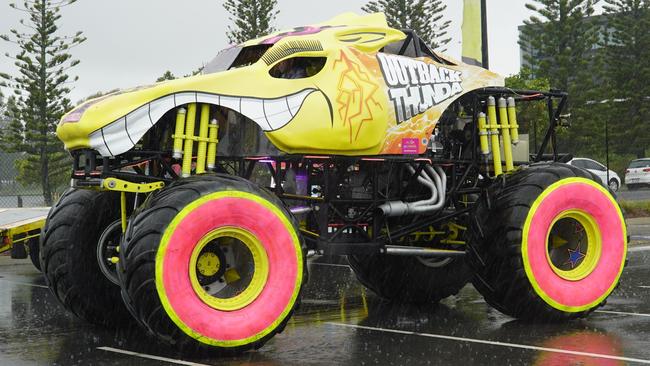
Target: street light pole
pixel 607 149
pixel 484 36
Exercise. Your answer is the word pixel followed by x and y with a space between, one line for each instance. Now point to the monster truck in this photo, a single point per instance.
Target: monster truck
pixel 194 201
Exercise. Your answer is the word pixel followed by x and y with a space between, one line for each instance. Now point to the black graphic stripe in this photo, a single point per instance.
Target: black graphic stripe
pixel 105 144
pixel 265 117
pixel 126 128
pixel 286 100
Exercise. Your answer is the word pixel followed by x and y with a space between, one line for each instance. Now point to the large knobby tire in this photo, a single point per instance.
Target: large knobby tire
pixel 33 247
pixel 547 243
pixel 180 274
pixel 410 280
pixel 68 256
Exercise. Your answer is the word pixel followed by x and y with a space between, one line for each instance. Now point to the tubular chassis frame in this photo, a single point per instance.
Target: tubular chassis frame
pixel 328 228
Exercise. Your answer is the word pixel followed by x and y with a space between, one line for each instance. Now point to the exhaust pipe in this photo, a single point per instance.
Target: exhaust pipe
pixel 435 180
pixel 299 210
pixel 421 252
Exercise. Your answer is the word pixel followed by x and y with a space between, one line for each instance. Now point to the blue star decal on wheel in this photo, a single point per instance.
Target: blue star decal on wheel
pixel 575 256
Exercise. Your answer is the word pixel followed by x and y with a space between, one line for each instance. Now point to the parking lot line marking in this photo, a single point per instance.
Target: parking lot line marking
pixel 644 286
pixel 639 249
pixel 496 343
pixel 23 283
pixel 151 357
pixel 622 313
pixel 640 237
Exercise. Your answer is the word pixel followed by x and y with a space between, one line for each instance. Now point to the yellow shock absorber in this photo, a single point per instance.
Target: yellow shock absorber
pixel 512 117
pixel 203 138
pixel 212 143
pixel 494 134
pixel 483 134
pixel 186 169
pixel 178 133
pixel 123 217
pixel 505 134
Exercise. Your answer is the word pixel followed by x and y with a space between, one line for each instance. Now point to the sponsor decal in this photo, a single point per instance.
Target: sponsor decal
pixel 415 86
pixel 410 146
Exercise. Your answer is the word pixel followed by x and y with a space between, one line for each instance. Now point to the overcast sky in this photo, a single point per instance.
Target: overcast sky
pixel 133 42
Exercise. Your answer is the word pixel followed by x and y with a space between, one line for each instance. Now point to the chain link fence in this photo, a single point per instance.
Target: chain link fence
pixel 12 192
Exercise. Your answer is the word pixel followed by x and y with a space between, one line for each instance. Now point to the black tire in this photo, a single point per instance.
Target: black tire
pixel 68 256
pixel 136 269
pixel 613 185
pixel 409 280
pixel 495 239
pixel 33 245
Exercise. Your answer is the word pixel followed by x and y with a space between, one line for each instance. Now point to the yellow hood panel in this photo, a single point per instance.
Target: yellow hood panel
pixel 361 102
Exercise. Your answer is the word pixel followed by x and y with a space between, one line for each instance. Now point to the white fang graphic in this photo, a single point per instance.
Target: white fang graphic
pixel 122 134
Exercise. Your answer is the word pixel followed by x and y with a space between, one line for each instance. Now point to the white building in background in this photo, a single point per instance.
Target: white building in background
pixel 526 49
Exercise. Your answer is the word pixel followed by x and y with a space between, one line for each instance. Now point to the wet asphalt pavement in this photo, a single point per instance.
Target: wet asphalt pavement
pixel 341 323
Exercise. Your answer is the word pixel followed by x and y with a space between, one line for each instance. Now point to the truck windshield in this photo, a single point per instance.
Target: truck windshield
pixel 234 57
pixel 640 164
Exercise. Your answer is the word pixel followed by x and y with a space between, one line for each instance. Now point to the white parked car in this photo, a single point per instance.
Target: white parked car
pixel 600 170
pixel 638 173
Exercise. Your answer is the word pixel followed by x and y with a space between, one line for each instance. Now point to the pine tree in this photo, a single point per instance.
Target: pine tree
pixel 559 38
pixel 7 160
pixel 627 74
pixel 559 41
pixel 425 17
pixel 251 19
pixel 41 87
pixel 2 104
pixel 532 116
pixel 12 126
pixel 167 75
pixel 6 104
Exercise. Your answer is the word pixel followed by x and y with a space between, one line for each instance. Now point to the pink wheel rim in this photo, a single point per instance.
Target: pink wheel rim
pixel 594 202
pixel 279 290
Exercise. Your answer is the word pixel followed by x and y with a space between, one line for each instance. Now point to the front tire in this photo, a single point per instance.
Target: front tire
pixel 212 262
pixel 613 185
pixel 547 243
pixel 68 256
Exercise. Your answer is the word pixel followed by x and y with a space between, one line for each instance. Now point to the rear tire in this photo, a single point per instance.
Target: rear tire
pixel 409 280
pixel 528 237
pixel 212 262
pixel 33 246
pixel 68 255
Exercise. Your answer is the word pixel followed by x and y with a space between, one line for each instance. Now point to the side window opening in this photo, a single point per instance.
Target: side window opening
pixel 578 163
pixel 298 67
